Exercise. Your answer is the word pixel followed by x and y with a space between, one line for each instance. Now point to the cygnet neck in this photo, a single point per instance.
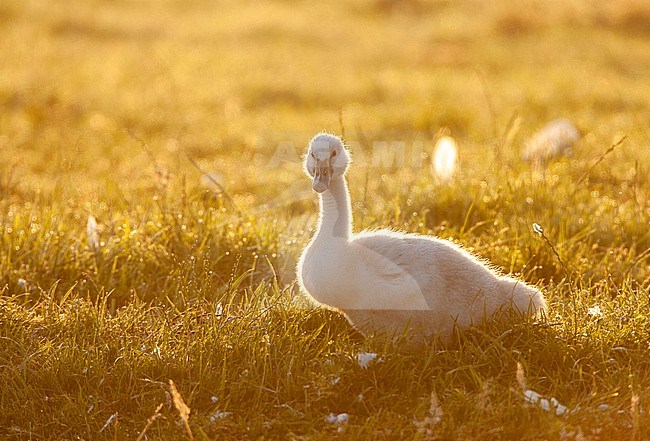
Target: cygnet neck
pixel 335 219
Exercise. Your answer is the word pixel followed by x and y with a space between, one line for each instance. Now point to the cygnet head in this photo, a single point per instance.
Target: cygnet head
pixel 327 159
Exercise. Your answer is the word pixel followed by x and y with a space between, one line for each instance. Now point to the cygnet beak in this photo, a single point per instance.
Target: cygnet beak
pixel 322 175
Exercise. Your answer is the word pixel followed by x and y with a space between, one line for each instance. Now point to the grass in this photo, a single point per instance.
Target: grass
pixel 102 104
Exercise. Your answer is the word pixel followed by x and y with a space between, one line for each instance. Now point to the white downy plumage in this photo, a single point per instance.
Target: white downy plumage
pixel 389 282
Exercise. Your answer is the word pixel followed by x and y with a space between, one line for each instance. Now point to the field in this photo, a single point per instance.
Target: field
pixel 153 208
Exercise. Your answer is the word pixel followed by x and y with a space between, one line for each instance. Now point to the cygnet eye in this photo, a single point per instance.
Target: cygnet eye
pixel 312 155
pixel 334 153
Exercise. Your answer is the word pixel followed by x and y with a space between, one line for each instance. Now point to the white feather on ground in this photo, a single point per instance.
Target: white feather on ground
pixel 445 158
pixel 554 139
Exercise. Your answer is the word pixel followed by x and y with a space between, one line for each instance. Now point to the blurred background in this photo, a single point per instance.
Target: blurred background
pixel 121 109
pixel 84 84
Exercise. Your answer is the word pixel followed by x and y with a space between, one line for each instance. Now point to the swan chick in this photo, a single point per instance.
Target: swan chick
pixel 388 282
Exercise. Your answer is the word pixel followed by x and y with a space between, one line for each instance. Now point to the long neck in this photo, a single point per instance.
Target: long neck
pixel 335 211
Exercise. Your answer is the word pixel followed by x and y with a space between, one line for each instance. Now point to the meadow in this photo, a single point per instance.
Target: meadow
pixel 153 208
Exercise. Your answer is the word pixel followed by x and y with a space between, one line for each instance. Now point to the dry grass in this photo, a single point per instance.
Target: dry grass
pixel 101 103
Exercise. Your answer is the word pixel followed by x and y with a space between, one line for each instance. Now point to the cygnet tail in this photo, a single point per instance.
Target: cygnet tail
pixel 526 299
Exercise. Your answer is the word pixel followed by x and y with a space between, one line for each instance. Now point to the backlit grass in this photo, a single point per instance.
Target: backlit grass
pixel 110 109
